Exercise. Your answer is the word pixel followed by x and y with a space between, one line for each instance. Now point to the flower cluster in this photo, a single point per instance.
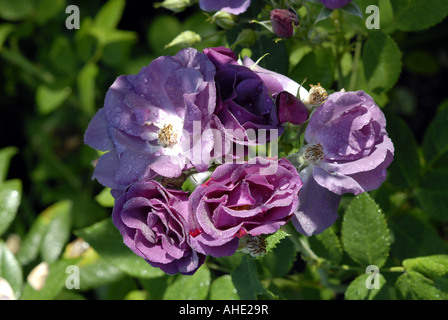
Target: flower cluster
pixel 206 113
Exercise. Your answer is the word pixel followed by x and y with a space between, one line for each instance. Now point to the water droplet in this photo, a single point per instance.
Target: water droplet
pixel 283 184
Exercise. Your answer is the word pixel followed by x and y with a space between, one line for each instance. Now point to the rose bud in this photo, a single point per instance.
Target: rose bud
pixel 283 22
pixel 290 108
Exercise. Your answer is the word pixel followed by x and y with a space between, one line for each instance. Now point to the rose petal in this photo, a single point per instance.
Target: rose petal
pixel 317 208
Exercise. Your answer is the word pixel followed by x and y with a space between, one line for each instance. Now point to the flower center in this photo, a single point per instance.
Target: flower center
pixel 167 136
pixel 313 153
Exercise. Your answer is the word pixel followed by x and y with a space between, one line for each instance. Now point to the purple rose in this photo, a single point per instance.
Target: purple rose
pixel 244 102
pixel 283 22
pixel 149 120
pixel 335 4
pixel 347 151
pixel 242 199
pixel 276 82
pixel 153 222
pixel 231 6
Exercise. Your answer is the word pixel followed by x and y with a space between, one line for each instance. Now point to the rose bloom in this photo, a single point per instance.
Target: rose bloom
pixel 347 151
pixel 153 222
pixel 335 4
pixel 242 199
pixel 231 6
pixel 246 111
pixel 243 100
pixel 146 124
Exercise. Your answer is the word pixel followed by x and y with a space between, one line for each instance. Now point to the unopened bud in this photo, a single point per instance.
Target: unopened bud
pixel 173 5
pixel 186 38
pixel 290 108
pixel 283 22
pixel 224 19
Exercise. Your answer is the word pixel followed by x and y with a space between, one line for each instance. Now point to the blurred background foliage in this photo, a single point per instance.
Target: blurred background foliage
pixel 53 80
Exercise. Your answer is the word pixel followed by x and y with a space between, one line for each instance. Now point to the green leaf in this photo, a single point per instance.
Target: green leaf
pixel 222 288
pixel 316 67
pixel 435 141
pixel 31 243
pixel 157 40
pixel 54 282
pixel 405 168
pixel 357 289
pixel 156 287
pixel 110 14
pixel 431 266
pixel 15 10
pixel 414 238
pixel 47 9
pixel 58 230
pixel 278 262
pixel 10 269
pixel 136 295
pixel 105 199
pixel 431 193
pixel 10 195
pixel 245 38
pixel 44 237
pixel 382 62
pixel 108 36
pixel 105 238
pixel 353 9
pixel 62 59
pixel 413 285
pixel 364 232
pixel 246 281
pixel 49 99
pixel 414 15
pixel 5 30
pixel 324 13
pixel 273 239
pixel 173 5
pixel 327 245
pixel 193 287
pixel 86 87
pixel 184 39
pixel 95 271
pixel 5 158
